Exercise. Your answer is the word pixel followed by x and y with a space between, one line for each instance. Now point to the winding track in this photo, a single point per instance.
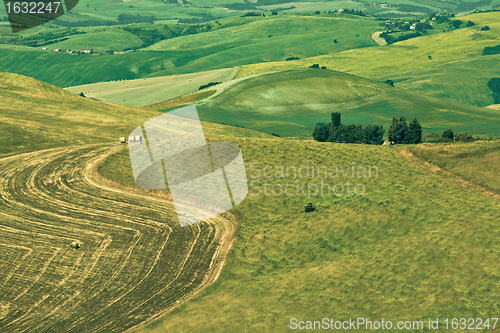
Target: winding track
pixel 135 264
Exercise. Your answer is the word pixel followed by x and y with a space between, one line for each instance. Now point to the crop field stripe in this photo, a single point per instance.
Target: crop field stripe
pixel 135 261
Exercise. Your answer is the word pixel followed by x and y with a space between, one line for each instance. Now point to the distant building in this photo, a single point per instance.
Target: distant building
pixel 82 51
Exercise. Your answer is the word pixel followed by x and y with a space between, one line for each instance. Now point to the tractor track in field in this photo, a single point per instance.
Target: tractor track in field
pixel 135 264
pixel 448 175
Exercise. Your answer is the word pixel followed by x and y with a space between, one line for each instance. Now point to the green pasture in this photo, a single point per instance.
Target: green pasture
pixel 251 44
pixel 295 35
pixel 142 92
pixel 463 81
pixel 408 62
pixel 413 247
pixel 291 103
pixel 100 40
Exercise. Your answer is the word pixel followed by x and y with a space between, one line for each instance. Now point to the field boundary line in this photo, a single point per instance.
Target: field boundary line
pixel 406 153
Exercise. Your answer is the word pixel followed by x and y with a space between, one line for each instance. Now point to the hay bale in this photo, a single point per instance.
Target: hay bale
pixel 123 140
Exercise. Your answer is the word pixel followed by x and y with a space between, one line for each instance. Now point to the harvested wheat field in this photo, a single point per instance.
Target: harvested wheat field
pixel 80 255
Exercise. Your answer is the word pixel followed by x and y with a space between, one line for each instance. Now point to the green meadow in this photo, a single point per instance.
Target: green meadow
pixel 408 249
pixel 291 103
pixel 390 237
pixel 142 92
pixel 266 39
pixel 407 63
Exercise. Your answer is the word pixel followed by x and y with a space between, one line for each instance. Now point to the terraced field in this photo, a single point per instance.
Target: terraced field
pixel 134 263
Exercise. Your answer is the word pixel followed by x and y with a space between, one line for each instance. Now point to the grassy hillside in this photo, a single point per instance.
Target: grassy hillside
pixel 78 253
pixel 100 39
pixel 478 162
pixel 296 36
pixel 141 92
pixel 231 46
pixel 36 115
pixel 408 62
pixel 203 10
pixel 291 103
pixel 404 250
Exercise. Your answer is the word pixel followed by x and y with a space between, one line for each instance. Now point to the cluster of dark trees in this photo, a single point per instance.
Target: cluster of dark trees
pixel 353 12
pixel 240 6
pixel 390 39
pixel 490 50
pixel 449 136
pixel 210 84
pixel 316 66
pixel 253 14
pixel 335 131
pixel 129 18
pixel 85 23
pixel 402 131
pixel 413 9
pixel 202 18
pixel 494 85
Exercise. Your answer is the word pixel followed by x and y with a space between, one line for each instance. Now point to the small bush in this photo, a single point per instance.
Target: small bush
pixel 309 207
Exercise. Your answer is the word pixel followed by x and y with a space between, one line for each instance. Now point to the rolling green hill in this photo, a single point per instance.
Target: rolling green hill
pixel 142 92
pixel 254 40
pixel 36 115
pixel 457 70
pixel 291 103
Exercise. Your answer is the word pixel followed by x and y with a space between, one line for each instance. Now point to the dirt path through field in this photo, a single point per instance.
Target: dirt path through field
pixel 448 175
pixel 379 40
pixel 135 262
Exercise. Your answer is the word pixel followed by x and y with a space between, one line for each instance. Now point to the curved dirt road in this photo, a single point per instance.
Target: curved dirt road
pixel 134 264
pixel 379 40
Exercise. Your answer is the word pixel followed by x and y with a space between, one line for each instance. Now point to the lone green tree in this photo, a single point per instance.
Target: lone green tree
pixel 448 134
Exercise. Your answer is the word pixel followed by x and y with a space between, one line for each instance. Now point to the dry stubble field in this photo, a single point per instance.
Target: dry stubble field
pixel 135 262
